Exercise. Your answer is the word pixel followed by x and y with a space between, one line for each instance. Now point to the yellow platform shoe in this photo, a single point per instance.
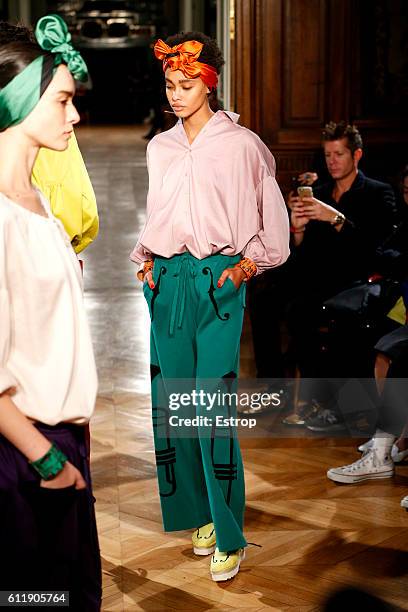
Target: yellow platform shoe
pixel 204 540
pixel 226 565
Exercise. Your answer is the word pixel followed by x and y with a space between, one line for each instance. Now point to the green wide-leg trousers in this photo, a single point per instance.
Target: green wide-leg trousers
pixel 195 339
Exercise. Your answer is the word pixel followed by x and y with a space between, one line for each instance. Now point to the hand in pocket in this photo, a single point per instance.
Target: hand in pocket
pixel 70 476
pixel 236 275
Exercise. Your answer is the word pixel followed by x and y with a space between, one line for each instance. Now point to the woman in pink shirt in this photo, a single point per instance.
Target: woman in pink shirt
pixel 215 217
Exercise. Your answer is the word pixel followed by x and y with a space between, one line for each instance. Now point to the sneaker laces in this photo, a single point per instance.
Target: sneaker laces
pixel 327 416
pixel 370 455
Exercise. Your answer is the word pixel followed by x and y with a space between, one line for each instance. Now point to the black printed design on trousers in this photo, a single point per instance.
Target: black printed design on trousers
pixel 165 456
pixel 229 380
pixel 225 471
pixel 156 289
pixel 211 291
pixel 154 371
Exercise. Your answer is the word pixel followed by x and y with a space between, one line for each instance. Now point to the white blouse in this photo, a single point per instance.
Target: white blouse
pixel 45 344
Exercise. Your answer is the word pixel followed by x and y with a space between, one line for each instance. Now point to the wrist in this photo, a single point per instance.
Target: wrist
pixel 297 230
pixel 147 267
pixel 248 267
pixel 50 464
pixel 337 219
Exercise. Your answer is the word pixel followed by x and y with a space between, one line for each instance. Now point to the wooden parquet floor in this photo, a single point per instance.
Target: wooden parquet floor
pixel 314 536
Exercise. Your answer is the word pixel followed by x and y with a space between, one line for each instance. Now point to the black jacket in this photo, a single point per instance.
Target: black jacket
pixel 392 255
pixel 329 261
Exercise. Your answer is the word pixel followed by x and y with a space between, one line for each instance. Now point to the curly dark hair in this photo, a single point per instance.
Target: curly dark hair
pixel 210 53
pixel 337 131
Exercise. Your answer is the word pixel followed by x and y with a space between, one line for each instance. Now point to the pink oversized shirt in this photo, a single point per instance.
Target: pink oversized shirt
pixel 216 195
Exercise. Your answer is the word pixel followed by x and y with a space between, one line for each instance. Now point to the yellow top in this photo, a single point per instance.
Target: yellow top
pixel 398 312
pixel 63 179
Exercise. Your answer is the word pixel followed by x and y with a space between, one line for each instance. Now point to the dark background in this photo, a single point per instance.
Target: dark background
pixel 295 65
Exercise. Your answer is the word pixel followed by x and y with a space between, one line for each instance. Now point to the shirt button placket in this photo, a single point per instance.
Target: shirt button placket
pixel 188 176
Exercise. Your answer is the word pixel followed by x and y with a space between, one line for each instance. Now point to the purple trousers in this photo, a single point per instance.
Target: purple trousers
pixel 48 537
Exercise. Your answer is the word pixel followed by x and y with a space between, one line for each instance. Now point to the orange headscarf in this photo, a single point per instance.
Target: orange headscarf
pixel 184 57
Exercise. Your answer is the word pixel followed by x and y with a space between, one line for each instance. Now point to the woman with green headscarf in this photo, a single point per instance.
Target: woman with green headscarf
pixel 48 377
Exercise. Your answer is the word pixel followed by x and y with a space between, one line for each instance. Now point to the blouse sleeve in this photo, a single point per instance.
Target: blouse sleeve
pixel 139 254
pixel 63 179
pixel 7 380
pixel 90 218
pixel 270 246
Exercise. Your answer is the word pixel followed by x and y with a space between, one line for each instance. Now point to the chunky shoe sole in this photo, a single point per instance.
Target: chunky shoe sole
pixel 348 479
pixel 327 429
pixel 204 551
pixel 404 503
pixel 228 575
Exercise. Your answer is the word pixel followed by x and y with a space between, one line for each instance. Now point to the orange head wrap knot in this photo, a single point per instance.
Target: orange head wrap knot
pixel 184 57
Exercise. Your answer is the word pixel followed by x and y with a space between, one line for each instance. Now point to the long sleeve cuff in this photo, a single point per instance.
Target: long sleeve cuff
pixel 270 246
pixel 267 256
pixel 139 255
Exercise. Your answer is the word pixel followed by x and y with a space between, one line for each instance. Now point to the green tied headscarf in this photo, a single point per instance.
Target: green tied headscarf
pixel 20 96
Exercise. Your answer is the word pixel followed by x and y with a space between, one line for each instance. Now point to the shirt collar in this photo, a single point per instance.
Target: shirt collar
pixel 220 114
pixel 231 115
pixel 357 184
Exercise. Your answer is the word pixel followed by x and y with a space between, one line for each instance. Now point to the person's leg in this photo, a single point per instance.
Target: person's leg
pixel 387 348
pixel 264 304
pixel 390 348
pixel 219 324
pixel 376 461
pixel 305 319
pixel 182 488
pixel 393 409
pixel 381 366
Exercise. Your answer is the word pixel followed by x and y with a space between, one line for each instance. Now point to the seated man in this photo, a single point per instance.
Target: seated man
pixel 335 235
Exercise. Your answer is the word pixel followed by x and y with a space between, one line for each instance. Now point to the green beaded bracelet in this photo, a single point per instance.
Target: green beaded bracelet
pixel 51 464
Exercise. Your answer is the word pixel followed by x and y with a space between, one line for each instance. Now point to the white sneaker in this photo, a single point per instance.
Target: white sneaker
pixel 404 502
pixel 398 455
pixel 369 467
pixel 366 446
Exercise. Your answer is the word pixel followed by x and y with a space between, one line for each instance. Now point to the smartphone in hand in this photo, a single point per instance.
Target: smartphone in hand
pixel 305 191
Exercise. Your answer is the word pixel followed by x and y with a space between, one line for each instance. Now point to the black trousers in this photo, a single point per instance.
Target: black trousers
pixel 330 349
pixel 268 295
pixel 48 537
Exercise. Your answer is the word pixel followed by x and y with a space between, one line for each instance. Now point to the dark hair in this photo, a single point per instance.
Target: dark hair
pixel 210 54
pixel 404 174
pixel 15 33
pixel 337 131
pixel 16 56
